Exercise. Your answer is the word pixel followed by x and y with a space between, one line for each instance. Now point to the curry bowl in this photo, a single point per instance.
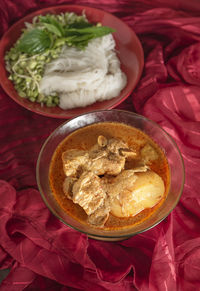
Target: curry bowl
pixel 132 120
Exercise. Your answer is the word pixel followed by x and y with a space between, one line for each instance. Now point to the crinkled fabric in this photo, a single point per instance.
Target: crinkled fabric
pixel 44 254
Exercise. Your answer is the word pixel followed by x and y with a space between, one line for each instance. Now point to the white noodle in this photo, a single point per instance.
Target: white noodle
pixel 82 77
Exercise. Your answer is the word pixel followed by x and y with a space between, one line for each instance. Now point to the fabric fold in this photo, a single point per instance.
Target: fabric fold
pixel 44 254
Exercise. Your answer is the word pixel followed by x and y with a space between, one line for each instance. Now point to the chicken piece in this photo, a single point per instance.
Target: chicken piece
pixel 68 185
pixel 128 153
pixel 148 153
pixel 108 156
pixel 137 192
pixel 100 216
pixel 140 169
pixel 111 165
pixel 74 161
pixel 102 141
pixel 114 185
pixel 88 192
pixel 96 153
pixel 115 145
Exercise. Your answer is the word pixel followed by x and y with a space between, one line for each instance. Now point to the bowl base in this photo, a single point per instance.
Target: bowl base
pixel 109 239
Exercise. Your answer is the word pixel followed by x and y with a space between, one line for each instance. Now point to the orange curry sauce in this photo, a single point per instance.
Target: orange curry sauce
pixel 84 139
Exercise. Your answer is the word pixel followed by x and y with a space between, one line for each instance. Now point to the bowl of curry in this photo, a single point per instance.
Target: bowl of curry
pixel 110 174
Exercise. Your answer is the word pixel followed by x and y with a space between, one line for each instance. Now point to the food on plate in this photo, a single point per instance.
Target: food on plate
pixel 64 60
pixel 109 175
pixel 82 77
pixel 132 191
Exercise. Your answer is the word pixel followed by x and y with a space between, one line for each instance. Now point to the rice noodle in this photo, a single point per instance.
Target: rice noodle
pixel 82 77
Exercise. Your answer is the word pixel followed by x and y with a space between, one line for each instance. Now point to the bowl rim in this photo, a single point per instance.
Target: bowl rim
pixel 68 113
pixel 123 236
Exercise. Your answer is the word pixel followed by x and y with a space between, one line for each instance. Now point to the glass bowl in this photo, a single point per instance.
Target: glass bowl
pixel 149 127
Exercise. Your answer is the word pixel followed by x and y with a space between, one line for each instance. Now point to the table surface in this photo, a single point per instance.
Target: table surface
pixel 43 254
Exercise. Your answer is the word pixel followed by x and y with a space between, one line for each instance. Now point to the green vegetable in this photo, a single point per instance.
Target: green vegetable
pixel 95 31
pixel 51 32
pixel 80 24
pixel 53 29
pixel 52 24
pixel 34 41
pixel 42 42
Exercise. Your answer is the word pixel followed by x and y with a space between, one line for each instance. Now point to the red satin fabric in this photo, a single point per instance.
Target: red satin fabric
pixel 41 252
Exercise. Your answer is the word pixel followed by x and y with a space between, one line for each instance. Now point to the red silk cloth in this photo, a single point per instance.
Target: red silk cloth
pixel 44 254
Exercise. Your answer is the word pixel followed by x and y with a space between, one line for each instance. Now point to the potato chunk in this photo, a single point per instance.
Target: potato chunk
pixel 145 191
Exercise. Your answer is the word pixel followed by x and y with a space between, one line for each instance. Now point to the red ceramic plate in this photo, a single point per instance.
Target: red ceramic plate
pixel 128 46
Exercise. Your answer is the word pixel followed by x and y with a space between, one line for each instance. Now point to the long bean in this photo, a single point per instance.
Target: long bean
pixel 26 73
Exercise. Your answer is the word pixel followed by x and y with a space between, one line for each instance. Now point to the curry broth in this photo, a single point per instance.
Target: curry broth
pixel 84 139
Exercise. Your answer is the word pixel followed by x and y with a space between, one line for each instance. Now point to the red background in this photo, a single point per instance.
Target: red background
pixel 40 251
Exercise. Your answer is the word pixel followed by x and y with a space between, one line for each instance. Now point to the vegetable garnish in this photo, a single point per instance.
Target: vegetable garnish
pixel 49 31
pixel 40 43
pixel 34 41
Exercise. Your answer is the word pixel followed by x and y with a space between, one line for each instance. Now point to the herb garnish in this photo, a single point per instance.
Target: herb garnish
pixel 40 43
pixel 48 32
